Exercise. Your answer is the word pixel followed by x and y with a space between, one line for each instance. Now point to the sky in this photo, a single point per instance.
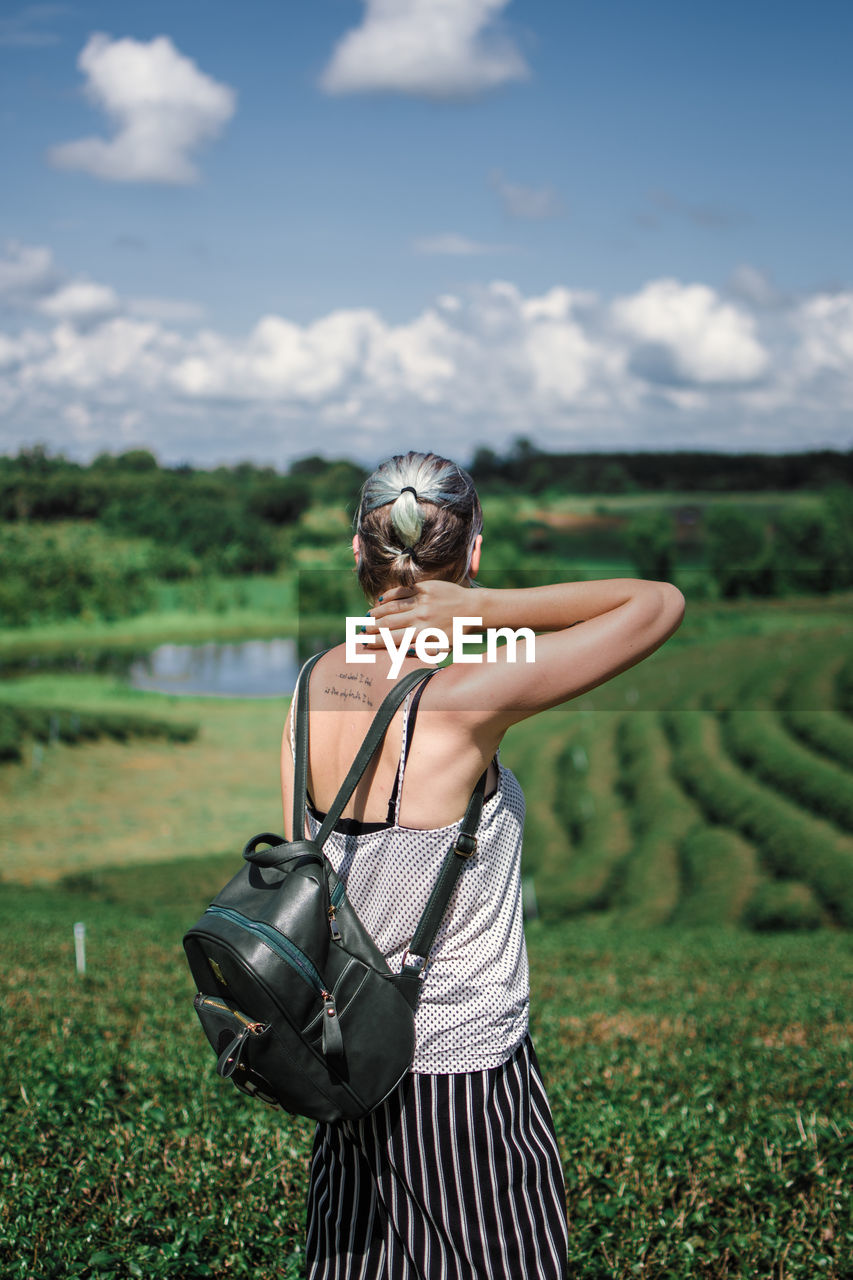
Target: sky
pixel 355 227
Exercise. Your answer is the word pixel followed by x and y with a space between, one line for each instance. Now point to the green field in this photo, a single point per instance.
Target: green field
pixel 690 847
pixel 699 1081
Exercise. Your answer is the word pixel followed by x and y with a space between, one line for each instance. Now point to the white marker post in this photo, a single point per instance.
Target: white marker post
pixel 80 948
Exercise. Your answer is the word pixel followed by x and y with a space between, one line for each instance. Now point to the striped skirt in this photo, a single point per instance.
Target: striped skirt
pixel 454 1177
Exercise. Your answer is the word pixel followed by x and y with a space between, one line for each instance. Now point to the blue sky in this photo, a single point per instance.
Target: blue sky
pixel 355 226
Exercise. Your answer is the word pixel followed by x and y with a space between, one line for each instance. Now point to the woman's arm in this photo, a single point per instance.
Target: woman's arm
pixel 592 632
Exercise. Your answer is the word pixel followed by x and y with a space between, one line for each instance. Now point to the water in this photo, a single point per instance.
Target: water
pixel 248 669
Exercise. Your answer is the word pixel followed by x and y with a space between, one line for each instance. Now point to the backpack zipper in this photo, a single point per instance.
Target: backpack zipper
pixel 281 945
pixel 255 1027
pixel 335 901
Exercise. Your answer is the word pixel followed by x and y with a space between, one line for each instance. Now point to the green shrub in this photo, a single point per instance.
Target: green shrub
pixel 758 741
pixel 793 844
pixel 784 904
pixel 62 724
pixel 650 542
pixel 739 553
pixel 51 573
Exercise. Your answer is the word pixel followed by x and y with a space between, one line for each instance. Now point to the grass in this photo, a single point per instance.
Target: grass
pixel 697 1078
pixel 67 808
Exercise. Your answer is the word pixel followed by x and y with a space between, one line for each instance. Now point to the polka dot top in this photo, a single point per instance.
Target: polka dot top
pixel 472 1013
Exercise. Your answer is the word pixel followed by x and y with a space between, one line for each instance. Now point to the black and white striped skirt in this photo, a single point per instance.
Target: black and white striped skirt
pixel 454 1177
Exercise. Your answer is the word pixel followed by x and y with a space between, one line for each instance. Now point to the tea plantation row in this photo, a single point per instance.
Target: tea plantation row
pixel 717 791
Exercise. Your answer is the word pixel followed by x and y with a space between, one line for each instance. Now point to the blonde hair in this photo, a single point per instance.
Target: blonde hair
pixel 419 517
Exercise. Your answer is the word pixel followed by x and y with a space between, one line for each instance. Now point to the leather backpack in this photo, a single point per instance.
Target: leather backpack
pixel 297 1001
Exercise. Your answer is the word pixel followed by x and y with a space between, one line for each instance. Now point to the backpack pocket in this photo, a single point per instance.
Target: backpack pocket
pixel 239 1042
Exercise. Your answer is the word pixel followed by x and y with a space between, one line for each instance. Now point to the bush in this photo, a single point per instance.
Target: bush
pixel 650 542
pixel 783 904
pixel 739 554
pixel 63 724
pixel 804 557
pixel 68 572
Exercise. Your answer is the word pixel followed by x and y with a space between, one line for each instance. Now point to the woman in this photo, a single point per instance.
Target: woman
pixel 457 1175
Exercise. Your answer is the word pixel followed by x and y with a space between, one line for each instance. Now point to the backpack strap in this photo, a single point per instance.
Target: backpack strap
pixel 273 856
pixel 416 957
pixel 417 953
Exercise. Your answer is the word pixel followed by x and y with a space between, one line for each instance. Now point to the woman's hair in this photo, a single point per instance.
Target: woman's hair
pixel 419 517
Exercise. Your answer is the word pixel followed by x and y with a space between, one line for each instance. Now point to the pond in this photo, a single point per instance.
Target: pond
pixel 246 669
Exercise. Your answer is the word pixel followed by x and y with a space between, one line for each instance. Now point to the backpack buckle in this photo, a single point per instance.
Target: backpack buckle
pixel 415 964
pixel 465 846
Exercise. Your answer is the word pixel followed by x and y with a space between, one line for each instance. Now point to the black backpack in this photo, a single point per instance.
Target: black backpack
pixel 294 996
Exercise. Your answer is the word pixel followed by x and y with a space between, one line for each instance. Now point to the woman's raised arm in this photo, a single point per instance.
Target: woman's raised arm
pixel 587 632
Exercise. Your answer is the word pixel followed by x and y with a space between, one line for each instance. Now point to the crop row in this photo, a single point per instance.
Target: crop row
pixel 59 724
pixel 594 822
pixel 759 742
pixel 660 815
pixel 721 876
pixel 792 843
pixel 825 731
pixel 622 819
pixel 806 711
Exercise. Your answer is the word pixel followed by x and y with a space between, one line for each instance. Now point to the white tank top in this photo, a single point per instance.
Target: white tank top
pixel 472 1013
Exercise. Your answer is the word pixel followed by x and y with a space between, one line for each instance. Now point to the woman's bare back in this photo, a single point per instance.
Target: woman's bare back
pixel 448 752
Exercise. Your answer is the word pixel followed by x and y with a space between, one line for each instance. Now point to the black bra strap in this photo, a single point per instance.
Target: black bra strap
pixel 410 729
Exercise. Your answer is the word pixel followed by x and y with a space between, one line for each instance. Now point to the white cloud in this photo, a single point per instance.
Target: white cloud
pixel 670 366
pixel 80 300
pixel 685 334
pixel 26 271
pixel 119 354
pixel 533 203
pixel 454 245
pixel 163 108
pixel 427 48
pixel 825 323
pixel 30 281
pixel 279 359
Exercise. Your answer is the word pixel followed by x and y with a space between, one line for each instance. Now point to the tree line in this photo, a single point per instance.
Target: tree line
pixel 530 469
pixel 78 540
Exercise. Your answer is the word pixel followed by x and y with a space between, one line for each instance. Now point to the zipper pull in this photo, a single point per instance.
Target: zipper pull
pixel 332 1041
pixel 333 925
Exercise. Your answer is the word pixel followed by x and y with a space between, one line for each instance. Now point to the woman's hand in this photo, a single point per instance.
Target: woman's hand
pixel 430 603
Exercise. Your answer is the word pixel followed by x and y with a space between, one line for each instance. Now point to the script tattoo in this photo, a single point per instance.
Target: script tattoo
pixel 353 686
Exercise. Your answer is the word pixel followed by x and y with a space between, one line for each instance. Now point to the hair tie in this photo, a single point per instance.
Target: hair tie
pixel 407 488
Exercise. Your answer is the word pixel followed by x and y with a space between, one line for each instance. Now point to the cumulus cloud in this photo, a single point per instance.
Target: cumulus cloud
pixel 454 245
pixel 162 106
pixel 533 203
pixel 26 271
pixel 672 365
pixel 80 300
pixel 426 48
pixel 30 281
pixel 825 325
pixel 685 334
